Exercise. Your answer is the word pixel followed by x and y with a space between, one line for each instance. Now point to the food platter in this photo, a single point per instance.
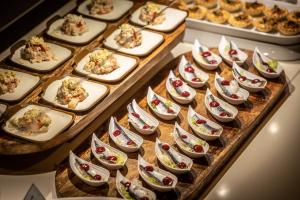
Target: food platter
pixel 189 185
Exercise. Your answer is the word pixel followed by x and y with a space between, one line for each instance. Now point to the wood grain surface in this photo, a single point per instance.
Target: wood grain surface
pixel 204 169
pixel 86 121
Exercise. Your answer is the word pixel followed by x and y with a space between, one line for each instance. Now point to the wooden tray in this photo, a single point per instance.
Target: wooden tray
pixel 251 114
pixel 87 122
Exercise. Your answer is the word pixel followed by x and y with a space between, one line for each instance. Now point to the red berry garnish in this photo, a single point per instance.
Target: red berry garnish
pixel 167 181
pixel 156 102
pixel 181 165
pixel 214 104
pixel 97 177
pixel 112 158
pixel 232 52
pixel 116 132
pixel 185 94
pixel 170 110
pixel 198 148
pixel 189 69
pixel 135 115
pixel 100 149
pixel 206 54
pixel 196 79
pixel 201 121
pixel 165 147
pixel 183 136
pixel 255 81
pixel 270 70
pixel 234 96
pixel 224 114
pixel 177 83
pixel 212 62
pixel 242 78
pixel 225 82
pixel 84 167
pixel 149 168
pixel 146 126
pixel 130 142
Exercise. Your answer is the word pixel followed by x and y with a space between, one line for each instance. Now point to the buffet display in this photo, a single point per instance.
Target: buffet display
pixel 174 149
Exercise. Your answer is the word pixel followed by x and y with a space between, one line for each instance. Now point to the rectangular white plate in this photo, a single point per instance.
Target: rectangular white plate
pixel 95 29
pixel 173 17
pixel 96 92
pixel 120 7
pixel 126 64
pixel 150 41
pixel 61 55
pixel 26 84
pixel 59 122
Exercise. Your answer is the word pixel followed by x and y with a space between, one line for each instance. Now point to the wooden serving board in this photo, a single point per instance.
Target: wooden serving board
pixel 86 122
pixel 250 116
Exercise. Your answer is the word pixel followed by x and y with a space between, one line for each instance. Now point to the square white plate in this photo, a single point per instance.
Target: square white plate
pixel 120 7
pixel 126 64
pixel 173 17
pixel 61 55
pixel 27 83
pixel 95 29
pixel 96 92
pixel 59 122
pixel 150 41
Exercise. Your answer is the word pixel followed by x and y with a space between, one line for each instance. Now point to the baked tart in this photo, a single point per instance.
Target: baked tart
pixel 197 12
pixel 218 16
pixel 231 5
pixel 276 13
pixel 264 24
pixel 207 3
pixel 288 27
pixel 294 16
pixel 253 8
pixel 240 20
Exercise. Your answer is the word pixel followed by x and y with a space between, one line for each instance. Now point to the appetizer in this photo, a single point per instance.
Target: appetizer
pixel 254 8
pixel 36 50
pixel 100 7
pixel 124 138
pixel 275 12
pixel 204 57
pixel 162 107
pixel 89 173
pixel 188 143
pixel 294 16
pixel 129 36
pixel 142 121
pixel 131 190
pixel 288 27
pixel 179 90
pixel 8 82
pixel 231 5
pixel 230 90
pixel 74 25
pixel 151 13
pixel 197 12
pixel 264 24
pixel 219 109
pixel 218 16
pixel 203 127
pixel 107 155
pixel 71 92
pixel 191 74
pixel 155 177
pixel 240 20
pixel 172 160
pixel 207 3
pixel 268 67
pixel 34 121
pixel 247 80
pixel 101 62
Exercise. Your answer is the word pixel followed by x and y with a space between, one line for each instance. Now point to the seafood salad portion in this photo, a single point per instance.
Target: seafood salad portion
pixel 101 62
pixel 248 80
pixel 230 52
pixel 202 126
pixel 100 7
pixel 179 90
pixel 141 120
pixel 124 138
pixel 71 92
pixel 219 109
pixel 171 159
pixel 8 82
pixel 150 13
pixel 129 36
pixel 164 108
pixel 155 177
pixel 131 190
pixel 107 155
pixel 230 90
pixel 74 25
pixel 33 121
pixel 89 173
pixel 36 50
pixel 188 143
